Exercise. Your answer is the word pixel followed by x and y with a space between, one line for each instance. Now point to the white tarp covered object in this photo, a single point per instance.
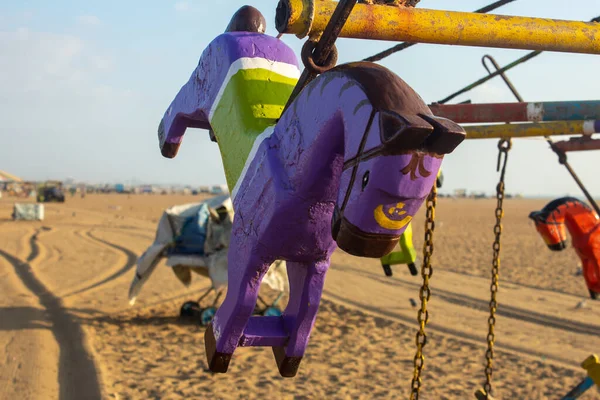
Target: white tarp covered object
pixel 28 212
pixel 195 237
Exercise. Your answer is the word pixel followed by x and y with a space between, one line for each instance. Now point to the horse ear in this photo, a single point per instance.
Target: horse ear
pixel 222 213
pixel 533 214
pixel 214 216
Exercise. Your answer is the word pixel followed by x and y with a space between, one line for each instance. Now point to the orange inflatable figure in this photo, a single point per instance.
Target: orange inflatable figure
pixel 583 225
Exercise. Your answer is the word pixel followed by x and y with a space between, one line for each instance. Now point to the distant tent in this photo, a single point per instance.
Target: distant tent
pixel 6 177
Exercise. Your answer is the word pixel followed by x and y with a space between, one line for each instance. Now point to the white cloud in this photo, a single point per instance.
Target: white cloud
pixel 36 59
pixel 491 92
pixel 51 74
pixel 102 63
pixel 181 6
pixel 60 112
pixel 88 20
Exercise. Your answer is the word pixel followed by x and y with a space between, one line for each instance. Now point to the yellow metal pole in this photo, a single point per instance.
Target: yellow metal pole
pixel 418 25
pixel 506 131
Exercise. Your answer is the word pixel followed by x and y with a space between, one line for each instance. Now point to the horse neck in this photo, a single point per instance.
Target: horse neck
pixel 325 125
pixel 244 112
pixel 251 97
pixel 579 219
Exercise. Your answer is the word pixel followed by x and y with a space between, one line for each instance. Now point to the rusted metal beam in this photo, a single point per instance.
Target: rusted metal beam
pixel 380 22
pixel 519 112
pixel 533 129
pixel 578 144
pixel 404 46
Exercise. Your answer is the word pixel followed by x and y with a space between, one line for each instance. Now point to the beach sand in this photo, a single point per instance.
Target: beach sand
pixel 67 330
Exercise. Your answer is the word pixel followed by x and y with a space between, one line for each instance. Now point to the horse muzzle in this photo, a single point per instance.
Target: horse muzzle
pixel 558 246
pixel 358 243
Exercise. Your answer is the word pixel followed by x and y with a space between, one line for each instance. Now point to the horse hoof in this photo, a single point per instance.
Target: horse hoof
pixel 272 312
pixel 288 366
pixel 189 309
pixel 387 270
pixel 217 362
pixel 413 269
pixel 206 315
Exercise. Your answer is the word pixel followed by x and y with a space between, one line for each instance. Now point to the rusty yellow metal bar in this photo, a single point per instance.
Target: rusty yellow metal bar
pixel 543 129
pixel 418 25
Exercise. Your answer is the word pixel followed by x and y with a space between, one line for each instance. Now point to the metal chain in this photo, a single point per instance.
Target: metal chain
pixel 503 147
pixel 424 292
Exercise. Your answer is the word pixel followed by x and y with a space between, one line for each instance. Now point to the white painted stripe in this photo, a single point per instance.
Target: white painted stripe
pixel 257 142
pixel 535 112
pixel 281 68
pixel 589 127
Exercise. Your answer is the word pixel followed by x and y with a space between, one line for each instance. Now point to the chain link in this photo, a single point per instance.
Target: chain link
pixel 424 292
pixel 503 148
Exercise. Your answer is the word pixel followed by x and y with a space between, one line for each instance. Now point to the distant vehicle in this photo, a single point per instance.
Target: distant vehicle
pixel 50 191
pixel 120 188
pixel 217 189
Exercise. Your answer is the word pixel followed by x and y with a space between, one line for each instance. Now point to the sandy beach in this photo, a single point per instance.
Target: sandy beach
pixel 67 330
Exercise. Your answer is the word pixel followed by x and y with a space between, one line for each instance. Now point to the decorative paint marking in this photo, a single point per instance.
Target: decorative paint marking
pixel 590 127
pixel 416 162
pixel 281 68
pixel 257 142
pixel 388 219
pixel 535 112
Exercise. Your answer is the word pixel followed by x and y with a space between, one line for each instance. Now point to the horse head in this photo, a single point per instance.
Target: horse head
pixel 551 228
pixel 218 232
pixel 390 172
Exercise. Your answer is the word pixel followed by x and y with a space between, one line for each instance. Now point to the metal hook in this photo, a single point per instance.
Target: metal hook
pixel 504 145
pixel 502 75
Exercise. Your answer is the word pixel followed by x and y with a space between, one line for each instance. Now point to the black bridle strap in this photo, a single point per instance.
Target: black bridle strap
pixel 358 157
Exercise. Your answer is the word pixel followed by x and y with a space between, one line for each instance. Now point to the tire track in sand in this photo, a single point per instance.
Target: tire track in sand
pixel 504 310
pixel 77 374
pixel 457 332
pixel 129 264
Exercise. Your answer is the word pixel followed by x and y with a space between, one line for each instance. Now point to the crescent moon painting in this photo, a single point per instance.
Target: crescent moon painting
pixel 391 218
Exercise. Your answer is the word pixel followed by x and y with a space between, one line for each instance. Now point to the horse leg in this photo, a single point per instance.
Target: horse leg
pixel 407 254
pixel 591 274
pixel 306 286
pixel 245 272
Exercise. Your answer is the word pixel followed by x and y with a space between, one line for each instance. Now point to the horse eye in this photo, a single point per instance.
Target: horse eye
pixel 365 180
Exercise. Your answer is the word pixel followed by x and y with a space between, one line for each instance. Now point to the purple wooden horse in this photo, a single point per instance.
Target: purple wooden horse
pixel 349 163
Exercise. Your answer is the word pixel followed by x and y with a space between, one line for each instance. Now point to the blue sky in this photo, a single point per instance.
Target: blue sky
pixel 84 85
